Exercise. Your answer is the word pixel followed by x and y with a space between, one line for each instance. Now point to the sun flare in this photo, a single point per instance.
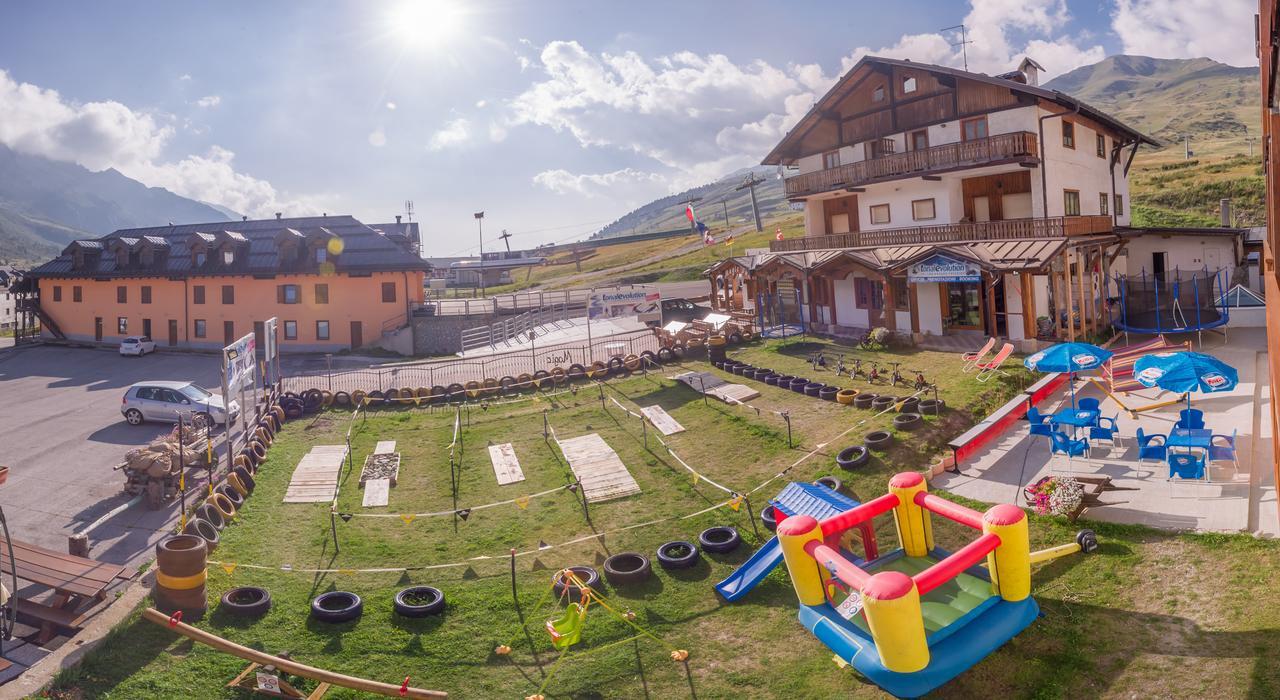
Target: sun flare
pixel 425 22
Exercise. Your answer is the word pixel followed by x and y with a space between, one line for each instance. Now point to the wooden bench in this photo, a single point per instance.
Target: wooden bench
pixel 77 583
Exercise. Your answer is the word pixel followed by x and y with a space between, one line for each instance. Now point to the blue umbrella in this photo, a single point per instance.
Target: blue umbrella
pixel 1068 357
pixel 1185 372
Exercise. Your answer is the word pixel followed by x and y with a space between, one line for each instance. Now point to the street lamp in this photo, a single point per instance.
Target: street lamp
pixel 480 223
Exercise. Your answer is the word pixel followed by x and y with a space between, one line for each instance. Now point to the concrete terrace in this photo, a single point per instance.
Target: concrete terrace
pixel 1233 501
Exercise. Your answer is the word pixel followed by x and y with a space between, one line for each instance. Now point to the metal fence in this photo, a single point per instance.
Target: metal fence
pixel 514 302
pixel 513 332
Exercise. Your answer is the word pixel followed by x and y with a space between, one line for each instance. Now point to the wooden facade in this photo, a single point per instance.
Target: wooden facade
pixel 993 187
pixel 1269 60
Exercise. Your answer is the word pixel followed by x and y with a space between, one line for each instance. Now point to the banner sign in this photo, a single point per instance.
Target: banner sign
pixel 615 302
pixel 238 360
pixel 943 268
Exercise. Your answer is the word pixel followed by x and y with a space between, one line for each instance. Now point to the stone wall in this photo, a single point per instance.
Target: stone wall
pixel 442 335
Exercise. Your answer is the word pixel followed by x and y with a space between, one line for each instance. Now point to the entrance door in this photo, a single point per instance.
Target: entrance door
pixel 97 329
pixel 1001 309
pixel 357 337
pixel 146 327
pixel 173 333
pixel 228 332
pixel 962 305
pixel 981 209
pixel 1158 261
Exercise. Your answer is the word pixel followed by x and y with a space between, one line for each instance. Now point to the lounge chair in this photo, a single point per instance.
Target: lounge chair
pixel 971 358
pixel 986 370
pixel 1148 449
pixel 1186 465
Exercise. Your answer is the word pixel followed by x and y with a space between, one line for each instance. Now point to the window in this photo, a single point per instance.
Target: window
pixel 77 294
pixel 388 292
pixel 1102 146
pixel 831 159
pixel 919 140
pixel 868 294
pixel 57 293
pixel 1119 205
pixel 1070 203
pixel 228 256
pixel 322 330
pixel 201 327
pixel 922 210
pixel 1068 134
pixel 1102 203
pixel 122 325
pixel 901 294
pixel 320 254
pixel 973 129
pixel 288 294
pixel 908 86
pixel 146 294
pixel 877 95
pixel 197 294
pixel 880 213
pixel 201 258
pixel 322 294
pixel 290 330
pixel 228 294
pixel 122 295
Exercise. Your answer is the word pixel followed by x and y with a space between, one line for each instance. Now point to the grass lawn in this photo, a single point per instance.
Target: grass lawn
pixel 1150 615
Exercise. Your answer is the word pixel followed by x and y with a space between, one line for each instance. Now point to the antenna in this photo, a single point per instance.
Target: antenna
pixel 963 44
pixel 408 209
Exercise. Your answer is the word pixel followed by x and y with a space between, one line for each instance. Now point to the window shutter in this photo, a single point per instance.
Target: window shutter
pixel 279 293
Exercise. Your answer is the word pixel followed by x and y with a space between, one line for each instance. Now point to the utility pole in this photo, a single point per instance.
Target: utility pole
pixel 963 44
pixel 750 183
pixel 725 204
pixel 1186 146
pixel 480 223
pixel 506 238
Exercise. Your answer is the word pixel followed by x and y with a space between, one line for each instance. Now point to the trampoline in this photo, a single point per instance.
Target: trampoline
pixel 780 314
pixel 1173 302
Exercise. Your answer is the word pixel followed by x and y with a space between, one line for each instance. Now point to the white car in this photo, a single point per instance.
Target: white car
pixel 165 401
pixel 137 345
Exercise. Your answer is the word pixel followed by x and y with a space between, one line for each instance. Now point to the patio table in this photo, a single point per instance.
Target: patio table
pixel 1076 418
pixel 1199 438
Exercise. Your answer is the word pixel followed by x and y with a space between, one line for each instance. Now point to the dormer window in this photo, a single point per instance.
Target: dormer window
pixel 78 259
pixel 199 258
pixel 147 256
pixel 122 257
pixel 228 256
pixel 321 254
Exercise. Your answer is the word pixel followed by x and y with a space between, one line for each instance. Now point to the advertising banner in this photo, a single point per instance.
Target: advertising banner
pixel 943 268
pixel 238 360
pixel 617 302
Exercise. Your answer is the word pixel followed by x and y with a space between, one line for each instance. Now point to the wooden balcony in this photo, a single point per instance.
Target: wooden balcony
pixel 1016 146
pixel 1009 229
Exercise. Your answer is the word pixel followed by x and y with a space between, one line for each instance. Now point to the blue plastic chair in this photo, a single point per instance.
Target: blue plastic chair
pixel 1191 419
pixel 1089 404
pixel 1040 423
pixel 1186 465
pixel 1224 453
pixel 1148 450
pixel 1106 429
pixel 1059 443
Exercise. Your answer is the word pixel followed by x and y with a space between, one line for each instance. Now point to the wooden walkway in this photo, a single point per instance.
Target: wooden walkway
pixel 378 491
pixel 662 420
pixel 603 476
pixel 505 465
pixel 706 382
pixel 316 475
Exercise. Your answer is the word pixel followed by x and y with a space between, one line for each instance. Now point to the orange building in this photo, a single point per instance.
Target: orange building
pixel 1268 42
pixel 332 282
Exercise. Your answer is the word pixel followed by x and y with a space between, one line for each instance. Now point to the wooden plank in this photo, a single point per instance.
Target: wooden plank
pixel 662 420
pixel 385 447
pixel 505 465
pixel 603 476
pixel 63 572
pixel 376 492
pixel 316 476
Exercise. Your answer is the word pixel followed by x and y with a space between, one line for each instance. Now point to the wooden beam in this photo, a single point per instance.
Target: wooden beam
pixel 1027 284
pixel 890 315
pixel 915 306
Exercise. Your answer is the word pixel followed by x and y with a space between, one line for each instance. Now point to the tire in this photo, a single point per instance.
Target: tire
pixel 182 555
pixel 931 406
pixel 853 457
pixel 433 606
pixel 743 369
pixel 881 403
pixel 237 484
pixel 437 394
pixel 133 416
pixel 559 377
pixel 814 388
pixel 586 574
pixel 259 451
pixel 507 385
pixel 846 396
pixel 246 479
pixel 879 440
pixel 666 355
pixel 735 338
pixel 210 515
pixel 798 384
pixel 648 359
pixel 678 554
pixel 783 381
pixel 769 518
pixel 719 539
pixel 828 393
pixel 232 495
pixel 224 506
pixel 293 410
pixel 614 365
pixel 631 362
pixel 577 372
pixel 864 400
pixel 473 389
pixel 407 396
pixel 830 482
pixel 377 398
pixel 908 421
pixel 910 404
pixel 341 398
pixel 204 530
pixel 358 397
pixel 336 606
pixel 760 374
pixel 326 398
pixel 598 370
pixel 246 601
pixel 542 379
pixel 1088 541
pixel 455 392
pixel 627 569
pixel 312 401
pixel 393 395
pixel 524 382
pixel 243 462
pixel 772 378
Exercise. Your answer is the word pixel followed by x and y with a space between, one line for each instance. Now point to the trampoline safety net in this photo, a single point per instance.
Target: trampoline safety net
pixel 1172 302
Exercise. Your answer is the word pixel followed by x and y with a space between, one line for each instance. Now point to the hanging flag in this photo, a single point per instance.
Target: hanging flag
pixel 464 514
pixel 229 568
pixel 407 517
pixel 522 502
pixel 735 503
pixel 728 240
pixel 778 236
pixel 700 226
pixel 688 212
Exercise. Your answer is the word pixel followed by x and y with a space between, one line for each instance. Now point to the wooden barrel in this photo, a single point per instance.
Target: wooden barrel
pixel 181 562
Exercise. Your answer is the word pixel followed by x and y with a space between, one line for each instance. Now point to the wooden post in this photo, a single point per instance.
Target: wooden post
pixel 1066 271
pixel 915 308
pixel 889 311
pixel 1026 283
pixel 1082 263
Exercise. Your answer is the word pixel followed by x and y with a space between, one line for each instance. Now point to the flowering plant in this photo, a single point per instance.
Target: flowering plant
pixel 1055 495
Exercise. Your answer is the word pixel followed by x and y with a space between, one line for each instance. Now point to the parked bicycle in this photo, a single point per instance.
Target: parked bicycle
pixel 817 360
pixel 874 374
pixel 897 375
pixel 921 383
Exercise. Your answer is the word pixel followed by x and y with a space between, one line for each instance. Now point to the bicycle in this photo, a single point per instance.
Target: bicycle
pixel 921 383
pixel 817 359
pixel 896 376
pixel 874 375
pixel 840 368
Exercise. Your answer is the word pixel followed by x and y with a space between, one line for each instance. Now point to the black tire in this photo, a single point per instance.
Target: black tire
pixel 883 402
pixel 772 378
pixel 760 374
pixel 666 355
pixel 377 398
pixel 292 409
pixel 336 606
pixel 678 555
pixel 245 478
pixel 814 388
pixel 863 400
pixel 879 440
pixel 798 384
pixel 439 394
pixel 204 530
pixel 931 406
pixel 1088 541
pixel 341 398
pixel 627 569
pixel 648 359
pixel 232 495
pixel 586 574
pixel 783 381
pixel 433 606
pixel 542 379
pixel 853 457
pixel 312 401
pixel 908 421
pixel 828 393
pixel 211 514
pixel 743 369
pixel 719 539
pixel 769 518
pixel 457 392
pixel 133 416
pixel 614 365
pixel 182 555
pixel 830 482
pixel 910 404
pixel 735 338
pixel 246 601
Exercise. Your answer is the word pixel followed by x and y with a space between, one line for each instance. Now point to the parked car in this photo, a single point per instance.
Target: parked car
pixel 137 345
pixel 165 401
pixel 682 310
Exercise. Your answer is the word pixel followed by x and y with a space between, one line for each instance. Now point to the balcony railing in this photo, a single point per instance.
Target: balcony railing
pixel 1019 144
pixel 1054 227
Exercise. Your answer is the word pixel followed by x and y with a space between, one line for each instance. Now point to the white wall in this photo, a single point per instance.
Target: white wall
pixel 811 163
pixel 903 319
pixel 1013 306
pixel 899 194
pixel 1183 251
pixel 814 221
pixel 1040 288
pixel 1078 169
pixel 1011 120
pixel 847 311
pixel 930 311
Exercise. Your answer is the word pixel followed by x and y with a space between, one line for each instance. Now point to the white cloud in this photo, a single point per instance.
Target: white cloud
pixel 454 133
pixel 481 104
pixel 378 138
pixel 209 101
pixel 184 77
pixel 625 183
pixel 101 135
pixel 1219 29
pixel 391 106
pixel 497 132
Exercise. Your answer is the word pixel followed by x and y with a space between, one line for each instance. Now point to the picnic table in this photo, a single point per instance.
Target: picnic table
pixel 77 584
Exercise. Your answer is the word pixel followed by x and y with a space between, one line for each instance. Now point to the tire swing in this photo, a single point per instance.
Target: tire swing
pixel 419 601
pixel 678 555
pixel 246 601
pixel 336 606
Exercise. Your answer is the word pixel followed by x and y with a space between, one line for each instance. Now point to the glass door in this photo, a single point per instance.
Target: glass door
pixel 963 305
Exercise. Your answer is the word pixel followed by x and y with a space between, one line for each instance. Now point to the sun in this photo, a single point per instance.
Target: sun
pixel 425 22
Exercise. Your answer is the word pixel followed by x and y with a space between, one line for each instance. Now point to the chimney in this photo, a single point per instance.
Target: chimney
pixel 244 218
pixel 397 219
pixel 278 215
pixel 1031 70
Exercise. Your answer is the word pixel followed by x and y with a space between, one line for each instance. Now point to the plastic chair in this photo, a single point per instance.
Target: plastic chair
pixel 1040 423
pixel 1224 453
pixel 1186 465
pixel 1106 429
pixel 986 370
pixel 1191 419
pixel 1089 404
pixel 1059 443
pixel 1147 450
pixel 971 358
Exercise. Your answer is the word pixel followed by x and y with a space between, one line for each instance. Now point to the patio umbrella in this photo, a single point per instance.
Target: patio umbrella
pixel 1068 357
pixel 1185 372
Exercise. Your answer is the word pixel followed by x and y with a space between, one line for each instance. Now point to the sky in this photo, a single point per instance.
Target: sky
pixel 553 117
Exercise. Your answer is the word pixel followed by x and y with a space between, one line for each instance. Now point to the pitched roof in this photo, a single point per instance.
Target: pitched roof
pixel 364 249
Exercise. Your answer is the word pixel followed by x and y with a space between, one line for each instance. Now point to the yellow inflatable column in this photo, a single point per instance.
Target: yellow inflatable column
pixel 1009 563
pixel 915 531
pixel 806 576
pixel 891 602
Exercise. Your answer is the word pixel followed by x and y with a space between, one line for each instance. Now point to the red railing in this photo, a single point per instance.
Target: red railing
pixel 1052 227
pixel 1019 144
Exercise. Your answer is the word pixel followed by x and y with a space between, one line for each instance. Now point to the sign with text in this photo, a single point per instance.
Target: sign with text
pixel 238 361
pixel 943 268
pixel 617 302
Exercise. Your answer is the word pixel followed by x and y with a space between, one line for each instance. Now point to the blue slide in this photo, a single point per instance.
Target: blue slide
pixel 741 581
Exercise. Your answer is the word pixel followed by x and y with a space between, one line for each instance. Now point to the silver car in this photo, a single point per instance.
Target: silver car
pixel 165 401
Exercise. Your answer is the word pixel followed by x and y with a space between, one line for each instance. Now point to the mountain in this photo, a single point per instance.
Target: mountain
pixel 45 204
pixel 1168 98
pixel 668 212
